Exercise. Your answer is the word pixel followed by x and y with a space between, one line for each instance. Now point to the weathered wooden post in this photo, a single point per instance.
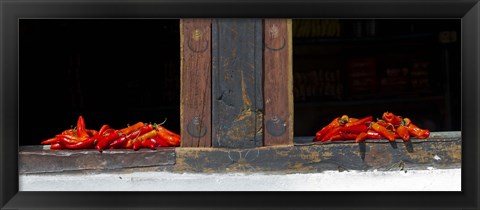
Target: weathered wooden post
pixel 195 100
pixel 249 76
pixel 237 103
pixel 278 90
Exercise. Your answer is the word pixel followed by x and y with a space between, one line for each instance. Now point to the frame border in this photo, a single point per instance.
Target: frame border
pixel 12 10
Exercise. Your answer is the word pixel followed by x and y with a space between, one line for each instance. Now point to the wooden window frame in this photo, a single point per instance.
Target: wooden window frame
pixel 236 91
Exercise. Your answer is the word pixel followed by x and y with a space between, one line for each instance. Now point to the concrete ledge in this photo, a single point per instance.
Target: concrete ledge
pixel 413 180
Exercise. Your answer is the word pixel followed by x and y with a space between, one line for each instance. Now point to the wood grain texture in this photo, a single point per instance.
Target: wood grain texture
pixel 37 159
pixel 278 118
pixel 195 83
pixel 440 150
pixel 237 104
pixel 369 156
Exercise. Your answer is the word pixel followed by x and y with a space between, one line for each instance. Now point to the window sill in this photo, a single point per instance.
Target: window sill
pixel 442 150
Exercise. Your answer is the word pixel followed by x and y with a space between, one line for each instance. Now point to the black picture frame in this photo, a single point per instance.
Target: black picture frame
pixel 11 11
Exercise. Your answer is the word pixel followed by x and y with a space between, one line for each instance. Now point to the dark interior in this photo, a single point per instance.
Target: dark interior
pixel 364 67
pixel 121 71
pixel 110 71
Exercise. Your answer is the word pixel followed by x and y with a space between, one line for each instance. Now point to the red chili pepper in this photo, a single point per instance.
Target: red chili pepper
pixel 355 128
pixel 382 122
pixel 119 143
pixel 351 119
pixel 371 134
pixel 384 131
pixel 363 121
pixel 406 121
pixel 87 144
pixel 402 131
pixel 56 146
pixel 70 132
pixel 91 133
pixel 337 137
pixel 137 145
pixel 172 138
pixel 149 143
pixel 129 144
pixel 361 137
pixel 122 140
pixel 81 130
pixel 335 123
pixel 146 128
pixel 72 138
pixel 108 131
pixel 50 141
pixel 392 118
pixel 67 140
pixel 147 135
pixel 349 136
pixel 388 126
pixel 418 132
pixel 132 128
pixel 160 141
pixel 104 141
pixel 331 133
pixel 103 129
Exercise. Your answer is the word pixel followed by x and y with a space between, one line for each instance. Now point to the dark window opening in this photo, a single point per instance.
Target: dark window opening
pixel 110 71
pixel 362 67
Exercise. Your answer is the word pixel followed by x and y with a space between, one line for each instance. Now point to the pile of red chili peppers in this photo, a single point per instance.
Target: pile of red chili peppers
pixel 390 127
pixel 139 135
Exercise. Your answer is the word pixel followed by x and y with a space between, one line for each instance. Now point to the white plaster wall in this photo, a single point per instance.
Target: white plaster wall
pixel 413 180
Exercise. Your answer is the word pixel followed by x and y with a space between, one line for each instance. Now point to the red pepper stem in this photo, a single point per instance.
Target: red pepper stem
pixel 164 121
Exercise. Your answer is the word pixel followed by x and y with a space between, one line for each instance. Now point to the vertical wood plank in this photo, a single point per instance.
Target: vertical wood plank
pixel 278 118
pixel 195 111
pixel 237 83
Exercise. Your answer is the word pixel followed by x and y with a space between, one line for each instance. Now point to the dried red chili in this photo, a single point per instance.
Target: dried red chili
pixel 418 132
pixel 383 131
pixel 50 141
pixel 402 131
pixel 137 145
pixel 355 128
pixel 104 141
pixel 160 141
pixel 361 137
pixel 81 130
pixel 132 128
pixel 362 121
pixel 149 143
pixel 56 146
pixel 87 144
pixel 320 134
pixel 172 138
pixel 331 133
pixel 392 118
pixel 348 136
